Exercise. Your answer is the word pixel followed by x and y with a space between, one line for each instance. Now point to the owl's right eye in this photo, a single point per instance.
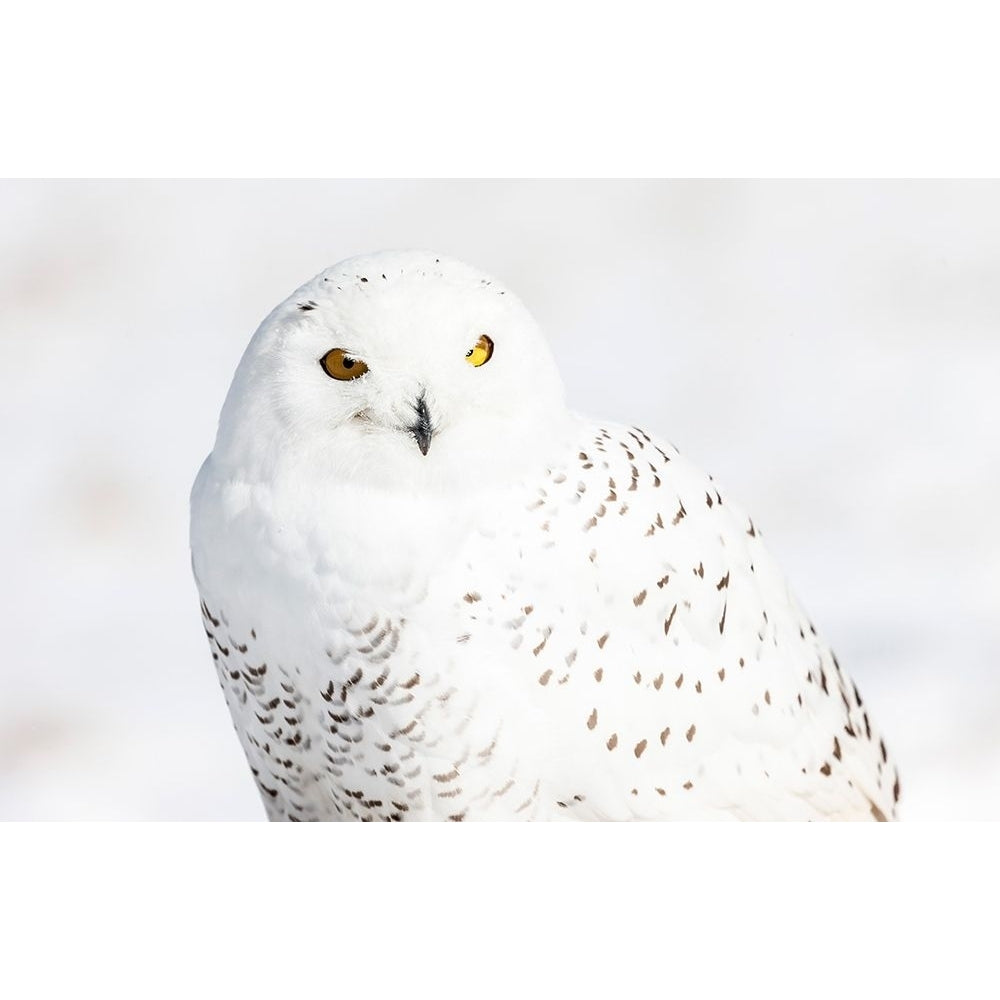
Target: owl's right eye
pixel 341 366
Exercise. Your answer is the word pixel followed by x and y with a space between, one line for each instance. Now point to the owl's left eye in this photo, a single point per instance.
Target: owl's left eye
pixel 481 353
pixel 341 366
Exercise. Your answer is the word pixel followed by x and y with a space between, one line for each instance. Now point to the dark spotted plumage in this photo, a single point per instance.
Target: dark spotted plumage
pixel 770 724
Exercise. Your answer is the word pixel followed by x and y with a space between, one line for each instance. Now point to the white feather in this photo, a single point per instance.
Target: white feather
pixel 542 617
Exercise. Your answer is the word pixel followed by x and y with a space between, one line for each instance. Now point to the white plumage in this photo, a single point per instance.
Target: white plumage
pixel 540 617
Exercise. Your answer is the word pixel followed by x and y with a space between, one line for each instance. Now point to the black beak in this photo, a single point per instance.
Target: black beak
pixel 421 430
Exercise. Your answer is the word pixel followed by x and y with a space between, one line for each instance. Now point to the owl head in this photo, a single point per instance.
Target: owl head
pixel 402 370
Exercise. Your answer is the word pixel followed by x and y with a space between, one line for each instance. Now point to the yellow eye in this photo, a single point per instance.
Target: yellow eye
pixel 341 366
pixel 481 353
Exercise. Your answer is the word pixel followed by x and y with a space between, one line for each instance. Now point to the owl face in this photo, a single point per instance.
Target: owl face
pixel 398 368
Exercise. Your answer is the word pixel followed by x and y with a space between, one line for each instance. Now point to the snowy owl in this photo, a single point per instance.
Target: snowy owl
pixel 433 592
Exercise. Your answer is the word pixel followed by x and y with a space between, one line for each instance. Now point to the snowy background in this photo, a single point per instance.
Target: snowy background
pixel 830 351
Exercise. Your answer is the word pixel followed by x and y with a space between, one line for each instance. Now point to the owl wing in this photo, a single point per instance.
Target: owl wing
pixel 674 671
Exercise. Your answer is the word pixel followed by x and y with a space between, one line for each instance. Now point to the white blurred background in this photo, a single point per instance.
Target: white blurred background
pixel 830 351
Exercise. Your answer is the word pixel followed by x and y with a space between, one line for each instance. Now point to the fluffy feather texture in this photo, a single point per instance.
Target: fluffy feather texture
pixel 543 617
